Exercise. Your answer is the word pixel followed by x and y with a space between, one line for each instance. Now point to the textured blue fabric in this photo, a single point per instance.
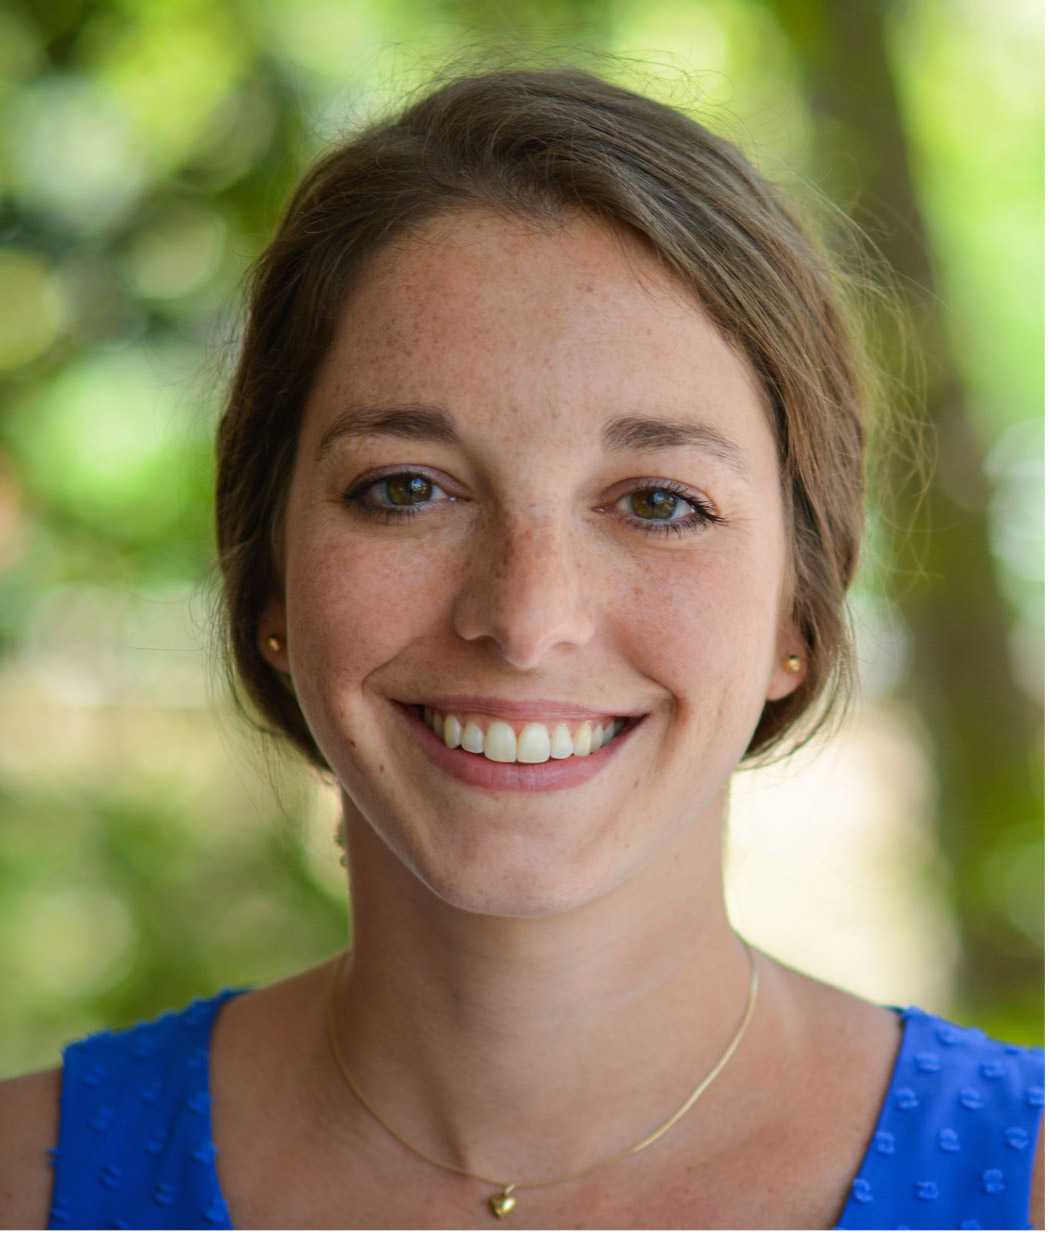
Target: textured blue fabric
pixel 135 1147
pixel 955 1140
pixel 953 1147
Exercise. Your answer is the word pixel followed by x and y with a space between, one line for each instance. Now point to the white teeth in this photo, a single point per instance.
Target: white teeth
pixel 473 738
pixel 561 743
pixel 452 731
pixel 535 745
pixel 501 744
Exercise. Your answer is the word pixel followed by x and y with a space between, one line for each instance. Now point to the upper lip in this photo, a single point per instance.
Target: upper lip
pixel 518 708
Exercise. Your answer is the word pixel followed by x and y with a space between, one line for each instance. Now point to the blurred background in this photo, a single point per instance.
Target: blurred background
pixel 150 849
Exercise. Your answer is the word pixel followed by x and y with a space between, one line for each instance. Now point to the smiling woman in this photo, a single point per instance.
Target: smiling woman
pixel 540 491
pixel 530 564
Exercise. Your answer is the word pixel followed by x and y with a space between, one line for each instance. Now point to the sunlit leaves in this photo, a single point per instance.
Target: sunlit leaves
pixel 32 308
pixel 73 154
pixel 101 445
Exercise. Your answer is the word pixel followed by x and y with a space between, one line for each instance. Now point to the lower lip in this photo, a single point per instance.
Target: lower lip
pixel 492 775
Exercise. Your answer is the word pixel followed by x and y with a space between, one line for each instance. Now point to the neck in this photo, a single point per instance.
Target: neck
pixel 490 1041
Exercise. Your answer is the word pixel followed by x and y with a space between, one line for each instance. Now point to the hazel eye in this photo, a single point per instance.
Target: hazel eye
pixel 661 507
pixel 397 495
pixel 405 490
pixel 658 505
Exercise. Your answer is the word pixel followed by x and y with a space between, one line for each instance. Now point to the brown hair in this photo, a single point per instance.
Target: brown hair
pixel 542 144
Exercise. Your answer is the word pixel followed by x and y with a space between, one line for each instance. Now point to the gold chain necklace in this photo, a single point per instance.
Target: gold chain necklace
pixel 503 1202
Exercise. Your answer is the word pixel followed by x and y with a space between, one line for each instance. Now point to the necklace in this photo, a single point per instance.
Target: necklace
pixel 503 1202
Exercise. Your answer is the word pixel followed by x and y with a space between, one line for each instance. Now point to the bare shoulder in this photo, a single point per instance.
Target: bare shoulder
pixel 828 1060
pixel 28 1127
pixel 849 1037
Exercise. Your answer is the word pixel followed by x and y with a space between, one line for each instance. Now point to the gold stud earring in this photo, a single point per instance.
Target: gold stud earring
pixel 273 643
pixel 793 663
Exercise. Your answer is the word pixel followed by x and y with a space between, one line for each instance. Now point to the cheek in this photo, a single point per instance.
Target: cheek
pixel 353 604
pixel 706 629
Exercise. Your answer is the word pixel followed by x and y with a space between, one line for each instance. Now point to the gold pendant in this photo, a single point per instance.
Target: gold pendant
pixel 502 1204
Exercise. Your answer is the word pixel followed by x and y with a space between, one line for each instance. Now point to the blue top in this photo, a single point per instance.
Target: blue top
pixel 953 1147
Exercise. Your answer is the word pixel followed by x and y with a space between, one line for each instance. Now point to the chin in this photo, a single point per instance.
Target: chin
pixel 521 899
pixel 515 877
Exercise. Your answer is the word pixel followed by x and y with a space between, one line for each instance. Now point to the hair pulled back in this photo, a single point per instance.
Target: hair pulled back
pixel 541 144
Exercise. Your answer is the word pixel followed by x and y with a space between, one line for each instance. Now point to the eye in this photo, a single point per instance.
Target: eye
pixel 404 490
pixel 395 495
pixel 664 508
pixel 657 504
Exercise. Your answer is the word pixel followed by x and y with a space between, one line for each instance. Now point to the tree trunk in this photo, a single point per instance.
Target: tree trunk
pixel 982 728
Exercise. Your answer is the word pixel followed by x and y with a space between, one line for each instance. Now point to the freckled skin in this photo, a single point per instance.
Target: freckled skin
pixel 534 582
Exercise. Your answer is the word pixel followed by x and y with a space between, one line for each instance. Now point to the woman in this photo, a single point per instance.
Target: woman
pixel 539 495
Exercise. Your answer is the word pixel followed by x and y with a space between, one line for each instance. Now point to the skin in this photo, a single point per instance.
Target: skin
pixel 533 582
pixel 537 980
pixel 546 940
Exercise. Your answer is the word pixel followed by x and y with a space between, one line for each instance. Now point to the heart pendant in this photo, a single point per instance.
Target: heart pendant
pixel 502 1204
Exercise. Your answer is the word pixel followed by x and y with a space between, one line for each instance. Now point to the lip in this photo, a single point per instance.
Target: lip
pixel 516 709
pixel 490 775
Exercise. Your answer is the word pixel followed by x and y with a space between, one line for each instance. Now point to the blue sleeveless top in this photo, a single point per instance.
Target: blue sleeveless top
pixel 953 1146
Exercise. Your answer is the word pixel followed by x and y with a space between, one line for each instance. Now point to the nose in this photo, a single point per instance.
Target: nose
pixel 525 591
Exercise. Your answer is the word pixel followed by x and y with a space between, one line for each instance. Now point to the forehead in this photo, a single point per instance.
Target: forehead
pixel 486 314
pixel 572 258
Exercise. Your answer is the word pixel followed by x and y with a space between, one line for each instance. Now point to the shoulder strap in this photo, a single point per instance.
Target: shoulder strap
pixel 135 1146
pixel 955 1141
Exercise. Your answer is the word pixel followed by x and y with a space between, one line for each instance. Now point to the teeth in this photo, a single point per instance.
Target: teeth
pixel 500 743
pixel 452 731
pixel 473 738
pixel 535 744
pixel 561 743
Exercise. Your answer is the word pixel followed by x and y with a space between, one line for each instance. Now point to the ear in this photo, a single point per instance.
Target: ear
pixel 789 667
pixel 271 635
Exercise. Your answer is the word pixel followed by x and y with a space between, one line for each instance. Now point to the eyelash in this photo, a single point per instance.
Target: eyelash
pixel 703 515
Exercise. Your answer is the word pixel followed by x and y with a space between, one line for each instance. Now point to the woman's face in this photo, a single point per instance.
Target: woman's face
pixel 534 489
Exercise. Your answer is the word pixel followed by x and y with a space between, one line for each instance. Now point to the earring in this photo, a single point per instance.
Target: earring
pixel 793 663
pixel 273 643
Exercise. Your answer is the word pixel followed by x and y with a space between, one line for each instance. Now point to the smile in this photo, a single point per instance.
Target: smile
pixel 532 743
pixel 498 765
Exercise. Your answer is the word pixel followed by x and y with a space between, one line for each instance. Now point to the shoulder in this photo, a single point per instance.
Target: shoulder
pixel 946 1121
pixel 981 1076
pixel 1037 1206
pixel 956 1139
pixel 67 1134
pixel 29 1110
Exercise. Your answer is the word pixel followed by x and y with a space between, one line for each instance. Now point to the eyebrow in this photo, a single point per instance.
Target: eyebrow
pixel 415 422
pixel 660 434
pixel 429 423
